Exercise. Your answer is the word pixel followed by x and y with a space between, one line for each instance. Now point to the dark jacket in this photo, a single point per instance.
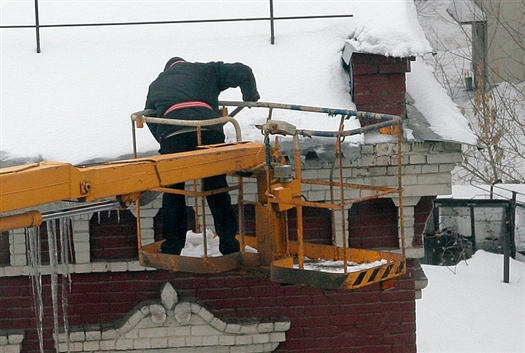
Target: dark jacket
pixel 183 81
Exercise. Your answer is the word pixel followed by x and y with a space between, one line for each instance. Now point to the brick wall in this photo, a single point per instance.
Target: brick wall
pixel 108 282
pixel 379 83
pixel 113 235
pixel 104 291
pixel 373 224
pixel 422 211
pixel 324 321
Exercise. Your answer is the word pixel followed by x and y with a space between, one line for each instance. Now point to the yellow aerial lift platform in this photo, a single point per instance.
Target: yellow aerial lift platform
pixel 279 190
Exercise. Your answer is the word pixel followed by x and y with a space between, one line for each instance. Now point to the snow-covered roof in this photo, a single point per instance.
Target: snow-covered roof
pixel 72 102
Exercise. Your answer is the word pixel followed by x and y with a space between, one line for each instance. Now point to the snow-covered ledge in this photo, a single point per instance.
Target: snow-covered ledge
pixel 166 324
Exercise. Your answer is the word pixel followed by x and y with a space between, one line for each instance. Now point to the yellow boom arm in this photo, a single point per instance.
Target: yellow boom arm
pixel 37 184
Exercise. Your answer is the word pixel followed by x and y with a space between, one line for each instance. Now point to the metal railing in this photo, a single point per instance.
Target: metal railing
pixel 271 19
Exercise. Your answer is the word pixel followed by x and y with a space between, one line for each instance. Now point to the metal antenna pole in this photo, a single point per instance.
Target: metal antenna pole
pixel 37 27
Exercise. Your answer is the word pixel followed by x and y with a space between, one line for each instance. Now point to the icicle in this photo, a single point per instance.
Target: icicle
pixel 98 217
pixel 35 269
pixel 65 252
pixel 53 269
pixel 118 216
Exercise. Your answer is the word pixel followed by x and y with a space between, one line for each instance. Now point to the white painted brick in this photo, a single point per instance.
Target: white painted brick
pixel 238 349
pixel 182 331
pixel 146 222
pixel 270 347
pixel 444 158
pixel 147 213
pixel 367 149
pixel 384 149
pixel 100 266
pixel 210 340
pixel 83 267
pixel 405 159
pixel 446 168
pixel 19 248
pixel 118 266
pixel 249 329
pixel 194 341
pixel 441 178
pixel 309 174
pixel 419 147
pixel 18 260
pixel 135 266
pixel 91 345
pixel 360 172
pixel 255 348
pixel 414 253
pixel 226 340
pixel 109 334
pixel 316 195
pixel 378 171
pixel 124 344
pixel 203 330
pixel 81 247
pixel 233 328
pixel 15 338
pixel 152 332
pixel 409 222
pixel 409 232
pixel 411 169
pixel 157 203
pixel 205 314
pixel 133 334
pixel 417 159
pixel 218 324
pixel 409 179
pixel 62 347
pixel 107 345
pixel 430 168
pixel 282 326
pixel 261 338
pixel 81 237
pixel 161 342
pixel 77 336
pixel 77 346
pixel 82 256
pixel 277 336
pixel 93 335
pixel 142 343
pixel 243 339
pixel 382 181
pixel 176 341
pixel 80 226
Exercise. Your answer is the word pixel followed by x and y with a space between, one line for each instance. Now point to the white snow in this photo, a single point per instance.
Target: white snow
pixel 337 266
pixel 464 309
pixel 72 101
pixel 472 310
pixel 444 116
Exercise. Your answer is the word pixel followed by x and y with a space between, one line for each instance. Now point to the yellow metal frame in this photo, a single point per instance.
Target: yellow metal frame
pixel 47 182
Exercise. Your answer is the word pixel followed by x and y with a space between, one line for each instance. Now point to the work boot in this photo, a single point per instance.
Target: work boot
pixel 229 246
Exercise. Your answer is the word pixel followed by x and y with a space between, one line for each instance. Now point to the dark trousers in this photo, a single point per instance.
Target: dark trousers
pixel 174 215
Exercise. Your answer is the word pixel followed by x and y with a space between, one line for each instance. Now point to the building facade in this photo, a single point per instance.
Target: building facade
pixel 114 304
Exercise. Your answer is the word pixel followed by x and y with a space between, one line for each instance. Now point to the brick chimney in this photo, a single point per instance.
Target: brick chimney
pixel 377 81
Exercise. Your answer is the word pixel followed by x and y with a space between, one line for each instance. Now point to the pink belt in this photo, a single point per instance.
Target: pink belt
pixel 188 104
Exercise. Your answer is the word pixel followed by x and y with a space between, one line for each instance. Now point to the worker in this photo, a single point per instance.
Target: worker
pixel 190 91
